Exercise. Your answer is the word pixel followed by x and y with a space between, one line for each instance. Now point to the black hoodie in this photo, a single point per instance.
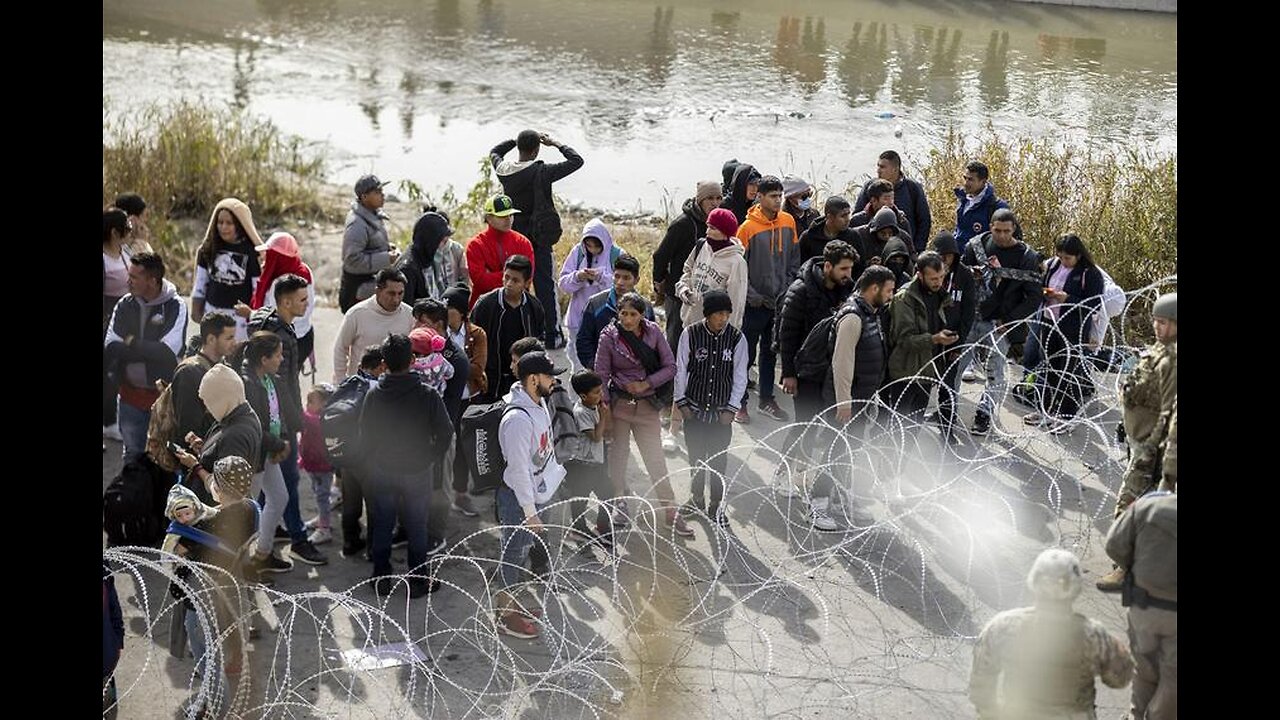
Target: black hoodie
pixel 682 234
pixel 960 285
pixel 431 230
pixel 897 247
pixel 736 200
pixel 807 302
pixel 404 425
pixel 525 182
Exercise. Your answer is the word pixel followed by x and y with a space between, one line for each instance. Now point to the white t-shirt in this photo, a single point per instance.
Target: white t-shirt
pixel 115 282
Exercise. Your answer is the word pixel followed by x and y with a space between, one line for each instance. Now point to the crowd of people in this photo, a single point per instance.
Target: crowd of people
pixel 854 311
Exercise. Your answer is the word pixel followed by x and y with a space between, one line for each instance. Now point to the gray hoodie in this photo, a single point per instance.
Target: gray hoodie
pixel 532 472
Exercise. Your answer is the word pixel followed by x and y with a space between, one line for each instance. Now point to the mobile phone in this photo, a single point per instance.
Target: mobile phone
pixel 175 448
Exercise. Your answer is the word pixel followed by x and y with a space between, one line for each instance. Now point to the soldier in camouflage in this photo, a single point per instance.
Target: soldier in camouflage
pixel 1147 398
pixel 1144 540
pixel 1044 658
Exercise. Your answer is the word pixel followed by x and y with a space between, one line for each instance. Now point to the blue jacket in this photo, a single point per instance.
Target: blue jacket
pixel 976 219
pixel 601 309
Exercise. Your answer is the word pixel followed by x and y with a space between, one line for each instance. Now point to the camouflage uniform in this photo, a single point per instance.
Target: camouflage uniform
pixel 1147 399
pixel 1044 658
pixel 1170 473
pixel 1049 660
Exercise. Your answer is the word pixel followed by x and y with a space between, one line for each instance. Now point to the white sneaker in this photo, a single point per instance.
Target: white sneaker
pixel 320 536
pixel 971 375
pixel 313 523
pixel 821 521
pixel 819 518
pixel 783 486
pixel 112 432
pixel 669 442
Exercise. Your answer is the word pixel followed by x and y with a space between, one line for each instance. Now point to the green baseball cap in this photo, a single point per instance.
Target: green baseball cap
pixel 500 206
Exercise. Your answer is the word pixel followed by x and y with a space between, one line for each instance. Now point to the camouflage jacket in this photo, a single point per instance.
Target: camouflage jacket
pixel 1049 661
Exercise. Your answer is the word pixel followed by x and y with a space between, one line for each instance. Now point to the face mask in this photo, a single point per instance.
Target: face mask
pixel 805 204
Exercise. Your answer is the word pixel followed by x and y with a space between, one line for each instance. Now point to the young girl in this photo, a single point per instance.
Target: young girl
pixel 587 270
pixel 227 268
pixel 314 461
pixel 427 344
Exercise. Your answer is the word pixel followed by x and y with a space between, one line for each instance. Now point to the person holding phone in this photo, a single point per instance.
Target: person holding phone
pixel 919 336
pixel 587 271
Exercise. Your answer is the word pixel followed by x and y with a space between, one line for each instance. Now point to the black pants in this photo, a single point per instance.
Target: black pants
pixel 1067 377
pixel 947 397
pixel 909 398
pixel 581 480
pixel 461 471
pixel 707 444
pixel 352 504
pixel 544 286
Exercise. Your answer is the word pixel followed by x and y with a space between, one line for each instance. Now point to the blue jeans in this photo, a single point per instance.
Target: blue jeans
pixel 208 663
pixel 516 540
pixel 757 325
pixel 403 495
pixel 292 512
pixel 133 428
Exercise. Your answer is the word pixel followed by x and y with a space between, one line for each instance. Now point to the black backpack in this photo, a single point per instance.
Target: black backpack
pixel 133 504
pixel 340 421
pixel 480 444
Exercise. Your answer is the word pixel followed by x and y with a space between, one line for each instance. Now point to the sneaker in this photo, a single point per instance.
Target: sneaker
pixel 770 408
pixel 400 538
pixel 268 564
pixel 981 424
pixel 422 586
pixel 516 625
pixel 669 442
pixel 282 536
pixel 112 432
pixel 435 546
pixel 932 418
pixel 692 509
pixel 313 523
pixel 678 524
pixel 971 375
pixel 1112 582
pixel 742 417
pixel 719 516
pixel 307 553
pixel 335 496
pixel 621 518
pixel 465 505
pixel 821 521
pixel 320 536
pixel 581 535
pixel 1033 419
pixel 351 548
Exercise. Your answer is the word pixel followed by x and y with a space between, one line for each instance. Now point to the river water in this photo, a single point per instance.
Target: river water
pixel 654 96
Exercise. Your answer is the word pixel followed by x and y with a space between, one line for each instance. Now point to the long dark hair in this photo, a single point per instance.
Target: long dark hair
pixel 1073 245
pixel 113 218
pixel 213 242
pixel 260 346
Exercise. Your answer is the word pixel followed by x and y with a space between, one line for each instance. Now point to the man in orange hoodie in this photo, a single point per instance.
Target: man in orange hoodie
pixel 488 251
pixel 773 261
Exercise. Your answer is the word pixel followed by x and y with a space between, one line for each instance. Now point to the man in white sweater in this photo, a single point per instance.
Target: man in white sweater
pixel 529 480
pixel 370 321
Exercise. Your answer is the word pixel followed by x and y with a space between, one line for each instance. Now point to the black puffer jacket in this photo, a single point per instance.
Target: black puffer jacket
pixel 806 303
pixel 682 234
